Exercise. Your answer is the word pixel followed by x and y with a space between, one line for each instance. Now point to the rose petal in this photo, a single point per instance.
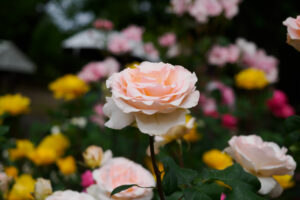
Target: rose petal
pixel 267 185
pixel 160 123
pixel 117 118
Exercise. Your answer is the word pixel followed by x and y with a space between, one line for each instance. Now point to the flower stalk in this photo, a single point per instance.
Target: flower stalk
pixel 156 170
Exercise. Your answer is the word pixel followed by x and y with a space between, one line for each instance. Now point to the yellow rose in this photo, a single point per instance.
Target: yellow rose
pixel 43 156
pixel 66 165
pixel 68 87
pixel 58 142
pixel 251 79
pixel 217 159
pixel 14 104
pixel 23 149
pixel 22 189
pixel 11 171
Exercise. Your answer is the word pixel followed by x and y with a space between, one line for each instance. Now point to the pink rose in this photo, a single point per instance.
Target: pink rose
pixel 293 29
pixel 95 71
pixel 166 40
pixel 121 171
pixel 151 51
pixel 70 195
pixel 87 179
pixel 284 111
pixel 233 53
pixel 202 9
pixel 262 159
pixel 103 24
pixel 209 106
pixel 179 6
pixel 278 100
pixel 133 32
pixel 98 117
pixel 231 7
pixel 154 95
pixel 293 26
pixel 228 97
pixel 229 121
pixel 218 56
pixel 223 196
pixel 118 44
pixel 246 47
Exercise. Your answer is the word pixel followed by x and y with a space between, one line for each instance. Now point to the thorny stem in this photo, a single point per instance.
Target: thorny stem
pixel 156 170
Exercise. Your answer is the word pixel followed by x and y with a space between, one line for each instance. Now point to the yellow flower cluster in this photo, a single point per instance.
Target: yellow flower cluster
pixel 23 149
pixel 14 104
pixel 216 159
pixel 285 181
pixel 68 87
pixel 22 189
pixel 47 152
pixel 11 171
pixel 251 79
pixel 66 165
pixel 192 135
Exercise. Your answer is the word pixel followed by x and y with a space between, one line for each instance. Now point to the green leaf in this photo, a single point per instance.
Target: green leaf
pixel 176 176
pixel 244 185
pixel 175 196
pixel 3 130
pixel 194 194
pixel 121 188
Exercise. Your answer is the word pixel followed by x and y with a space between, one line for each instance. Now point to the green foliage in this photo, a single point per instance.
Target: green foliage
pixel 187 183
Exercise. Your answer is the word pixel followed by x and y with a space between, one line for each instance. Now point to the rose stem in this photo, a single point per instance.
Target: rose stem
pixel 156 171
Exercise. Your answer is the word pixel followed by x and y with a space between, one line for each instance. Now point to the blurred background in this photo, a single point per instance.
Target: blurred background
pixel 38 28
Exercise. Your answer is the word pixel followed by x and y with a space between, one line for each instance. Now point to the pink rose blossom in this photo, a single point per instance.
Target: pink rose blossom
pixel 151 51
pixel 118 44
pixel 229 121
pixel 231 7
pixel 233 54
pixel 284 111
pixel 121 171
pixel 103 24
pixel 159 89
pixel 228 97
pixel 98 118
pixel 133 32
pixel 262 159
pixel 179 7
pixel 223 196
pixel 209 106
pixel 218 56
pixel 94 71
pixel 202 9
pixel 278 100
pixel 168 39
pixel 87 179
pixel 293 29
pixel 293 26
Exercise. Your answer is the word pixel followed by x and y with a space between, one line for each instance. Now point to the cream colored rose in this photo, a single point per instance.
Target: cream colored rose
pixel 262 159
pixel 94 156
pixel 121 171
pixel 154 95
pixel 293 28
pixel 69 195
pixel 42 189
